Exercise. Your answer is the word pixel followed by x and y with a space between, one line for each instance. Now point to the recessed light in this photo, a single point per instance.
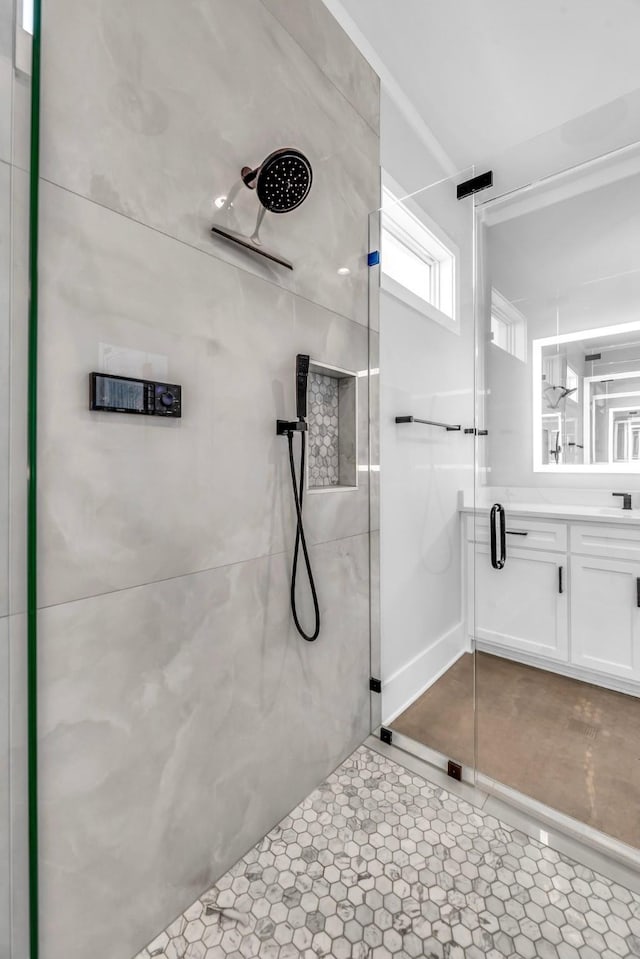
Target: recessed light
pixel 220 201
pixel 344 271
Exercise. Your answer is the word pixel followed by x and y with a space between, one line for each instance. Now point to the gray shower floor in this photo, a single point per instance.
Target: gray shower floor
pixel 377 862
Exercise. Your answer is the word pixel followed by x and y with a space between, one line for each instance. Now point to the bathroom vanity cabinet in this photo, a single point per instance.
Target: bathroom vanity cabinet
pixel 567 599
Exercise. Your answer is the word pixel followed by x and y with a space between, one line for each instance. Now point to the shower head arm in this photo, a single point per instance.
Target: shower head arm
pixel 249 176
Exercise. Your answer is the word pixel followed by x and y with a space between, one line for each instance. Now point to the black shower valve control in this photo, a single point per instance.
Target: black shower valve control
pixel 283 427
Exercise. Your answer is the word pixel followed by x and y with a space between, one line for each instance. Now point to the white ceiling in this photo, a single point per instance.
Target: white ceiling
pixel 485 75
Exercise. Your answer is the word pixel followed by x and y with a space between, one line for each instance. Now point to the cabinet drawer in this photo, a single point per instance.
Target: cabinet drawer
pixel 616 542
pixel 539 534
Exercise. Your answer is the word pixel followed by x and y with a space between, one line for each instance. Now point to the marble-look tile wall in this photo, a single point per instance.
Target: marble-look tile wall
pixel 181 716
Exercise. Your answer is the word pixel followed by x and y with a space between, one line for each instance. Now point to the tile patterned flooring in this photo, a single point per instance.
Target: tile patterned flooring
pixel 378 863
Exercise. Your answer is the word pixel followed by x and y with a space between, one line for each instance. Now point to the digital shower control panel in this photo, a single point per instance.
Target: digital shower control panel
pixel 123 394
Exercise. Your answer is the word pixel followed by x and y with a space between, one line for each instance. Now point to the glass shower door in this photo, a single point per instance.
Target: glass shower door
pixel 422 468
pixel 556 547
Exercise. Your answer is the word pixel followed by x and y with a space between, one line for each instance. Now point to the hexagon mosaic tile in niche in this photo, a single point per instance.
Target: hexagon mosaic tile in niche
pixel 323 430
pixel 378 863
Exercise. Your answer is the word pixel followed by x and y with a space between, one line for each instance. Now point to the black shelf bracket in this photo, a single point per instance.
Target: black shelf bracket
pixel 474 185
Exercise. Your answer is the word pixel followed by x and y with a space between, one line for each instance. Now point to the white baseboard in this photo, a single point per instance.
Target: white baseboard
pixel 564 669
pixel 415 677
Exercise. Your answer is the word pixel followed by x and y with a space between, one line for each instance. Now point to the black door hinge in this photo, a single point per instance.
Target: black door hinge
pixel 375 685
pixel 476 432
pixel 386 735
pixel 475 184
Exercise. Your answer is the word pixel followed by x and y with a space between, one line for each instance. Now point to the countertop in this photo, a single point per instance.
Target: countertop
pixel 589 514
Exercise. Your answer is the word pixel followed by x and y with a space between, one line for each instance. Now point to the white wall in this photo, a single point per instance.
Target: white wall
pixel 426 371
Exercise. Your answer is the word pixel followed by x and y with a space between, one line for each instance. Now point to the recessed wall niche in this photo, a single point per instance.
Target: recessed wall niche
pixel 332 404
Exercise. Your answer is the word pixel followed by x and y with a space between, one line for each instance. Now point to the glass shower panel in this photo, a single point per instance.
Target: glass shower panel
pixel 15 94
pixel 557 545
pixel 422 295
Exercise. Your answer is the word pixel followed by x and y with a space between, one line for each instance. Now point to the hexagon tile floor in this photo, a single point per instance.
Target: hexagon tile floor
pixel 379 863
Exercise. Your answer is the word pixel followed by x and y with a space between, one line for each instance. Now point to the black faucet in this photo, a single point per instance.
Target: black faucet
pixel 626 499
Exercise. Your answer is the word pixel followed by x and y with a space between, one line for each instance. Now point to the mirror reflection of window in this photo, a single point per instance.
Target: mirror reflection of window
pixel 573 384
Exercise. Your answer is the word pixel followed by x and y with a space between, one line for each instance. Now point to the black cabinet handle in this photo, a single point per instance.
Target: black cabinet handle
pixel 498 563
pixel 560 583
pixel 638 592
pixel 517 532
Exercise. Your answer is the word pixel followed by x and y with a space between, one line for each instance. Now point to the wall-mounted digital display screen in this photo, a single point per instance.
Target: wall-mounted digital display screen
pixel 124 394
pixel 120 394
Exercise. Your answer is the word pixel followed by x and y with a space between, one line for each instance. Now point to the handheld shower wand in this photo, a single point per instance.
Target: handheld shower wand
pixel 302 378
pixel 288 428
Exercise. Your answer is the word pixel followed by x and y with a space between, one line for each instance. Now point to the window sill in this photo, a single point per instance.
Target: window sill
pixel 399 292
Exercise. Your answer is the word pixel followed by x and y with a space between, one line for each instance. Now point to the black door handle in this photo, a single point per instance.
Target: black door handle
pixel 560 583
pixel 517 532
pixel 638 592
pixel 498 563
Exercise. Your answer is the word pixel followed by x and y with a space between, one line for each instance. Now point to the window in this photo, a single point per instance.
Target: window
pixel 418 261
pixel 23 36
pixel 27 16
pixel 501 333
pixel 508 327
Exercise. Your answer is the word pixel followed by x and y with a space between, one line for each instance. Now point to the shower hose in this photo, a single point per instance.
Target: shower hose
pixel 298 494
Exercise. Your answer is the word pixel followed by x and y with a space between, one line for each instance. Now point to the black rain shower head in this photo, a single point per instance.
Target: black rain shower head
pixel 282 181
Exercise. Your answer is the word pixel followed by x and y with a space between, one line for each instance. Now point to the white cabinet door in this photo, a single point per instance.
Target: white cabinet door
pixel 520 607
pixel 605 618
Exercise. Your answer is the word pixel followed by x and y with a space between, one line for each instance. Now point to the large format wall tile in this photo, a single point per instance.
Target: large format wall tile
pixel 6 78
pixel 19 361
pixel 18 779
pixel 5 406
pixel 130 500
pixel 179 723
pixel 156 123
pixel 6 82
pixel 319 33
pixel 5 836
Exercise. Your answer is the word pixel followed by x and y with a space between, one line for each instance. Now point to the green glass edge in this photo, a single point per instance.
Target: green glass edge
pixel 32 449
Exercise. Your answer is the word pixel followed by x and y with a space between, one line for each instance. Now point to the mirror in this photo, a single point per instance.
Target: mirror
pixel 586 400
pixel 560 299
